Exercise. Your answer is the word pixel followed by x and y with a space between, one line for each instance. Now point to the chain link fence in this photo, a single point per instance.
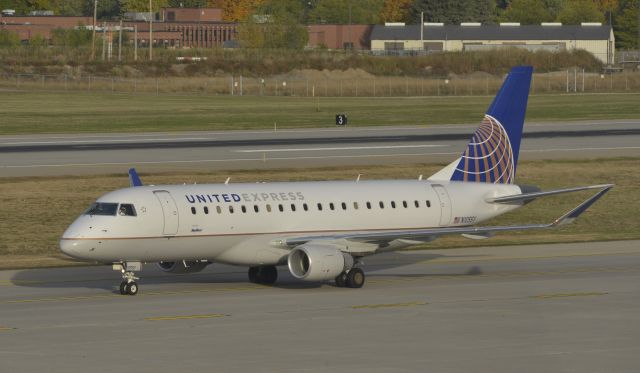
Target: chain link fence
pixel 573 80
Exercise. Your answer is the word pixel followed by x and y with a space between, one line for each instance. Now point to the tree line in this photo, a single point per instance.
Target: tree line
pixel 285 19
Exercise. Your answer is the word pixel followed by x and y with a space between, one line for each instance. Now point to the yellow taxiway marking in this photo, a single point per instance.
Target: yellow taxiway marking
pixel 5 329
pixel 189 317
pixel 567 295
pixel 390 305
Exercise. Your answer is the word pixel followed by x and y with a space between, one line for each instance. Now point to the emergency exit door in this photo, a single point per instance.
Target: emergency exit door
pixel 445 204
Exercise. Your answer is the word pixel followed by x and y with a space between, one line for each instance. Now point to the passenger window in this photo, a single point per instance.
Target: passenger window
pixel 218 209
pixel 416 203
pixel 281 208
pixel 244 209
pixel 268 207
pixel 319 206
pixel 293 207
pixel 344 206
pixel 331 206
pixel 381 204
pixel 193 210
pixel 369 205
pixel 355 205
pixel 393 204
pixel 231 209
pixel 428 203
pixel 126 209
pixel 305 207
pixel 404 204
pixel 255 208
pixel 206 210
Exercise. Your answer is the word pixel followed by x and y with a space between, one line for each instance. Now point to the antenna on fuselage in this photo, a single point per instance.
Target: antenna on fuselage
pixel 420 177
pixel 358 179
pixel 226 182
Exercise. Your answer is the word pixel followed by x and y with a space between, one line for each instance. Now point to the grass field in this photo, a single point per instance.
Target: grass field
pixel 30 113
pixel 34 218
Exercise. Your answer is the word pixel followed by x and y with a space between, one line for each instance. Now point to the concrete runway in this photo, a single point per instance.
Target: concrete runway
pixel 553 308
pixel 44 155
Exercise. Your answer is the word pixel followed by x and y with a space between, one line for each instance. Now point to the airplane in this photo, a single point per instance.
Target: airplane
pixel 320 230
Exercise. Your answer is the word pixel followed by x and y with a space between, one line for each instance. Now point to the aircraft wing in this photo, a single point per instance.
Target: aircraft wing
pixel 429 234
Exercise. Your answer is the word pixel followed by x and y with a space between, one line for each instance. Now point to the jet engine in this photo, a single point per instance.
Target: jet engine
pixel 183 266
pixel 318 263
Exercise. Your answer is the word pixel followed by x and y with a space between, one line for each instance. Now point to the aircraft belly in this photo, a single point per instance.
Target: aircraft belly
pixel 158 248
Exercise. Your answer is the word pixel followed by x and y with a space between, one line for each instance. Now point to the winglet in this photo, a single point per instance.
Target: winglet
pixel 134 179
pixel 570 216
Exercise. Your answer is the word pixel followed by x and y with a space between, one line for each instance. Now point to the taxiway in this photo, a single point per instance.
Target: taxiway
pixel 540 308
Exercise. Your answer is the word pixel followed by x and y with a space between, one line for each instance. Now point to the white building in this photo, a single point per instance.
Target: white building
pixel 594 37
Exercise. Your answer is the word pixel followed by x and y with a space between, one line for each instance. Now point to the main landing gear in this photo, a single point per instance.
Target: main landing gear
pixel 128 286
pixel 354 278
pixel 265 275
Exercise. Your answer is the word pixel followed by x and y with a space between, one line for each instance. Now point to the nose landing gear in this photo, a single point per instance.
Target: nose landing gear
pixel 128 286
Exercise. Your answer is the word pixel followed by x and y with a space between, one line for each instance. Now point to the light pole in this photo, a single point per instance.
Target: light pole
pixel 150 31
pixel 93 31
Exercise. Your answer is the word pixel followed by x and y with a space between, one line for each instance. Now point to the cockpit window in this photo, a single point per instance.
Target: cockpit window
pixel 126 209
pixel 101 208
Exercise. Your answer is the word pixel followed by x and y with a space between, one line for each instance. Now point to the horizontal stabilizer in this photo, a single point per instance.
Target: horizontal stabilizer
pixel 527 197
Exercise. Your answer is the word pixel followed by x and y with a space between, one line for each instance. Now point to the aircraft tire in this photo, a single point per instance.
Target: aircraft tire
pixel 254 275
pixel 132 288
pixel 268 275
pixel 355 278
pixel 123 288
pixel 341 280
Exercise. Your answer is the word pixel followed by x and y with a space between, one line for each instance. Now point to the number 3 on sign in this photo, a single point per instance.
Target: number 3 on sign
pixel 341 119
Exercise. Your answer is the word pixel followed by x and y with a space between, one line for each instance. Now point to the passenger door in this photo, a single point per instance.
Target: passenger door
pixel 170 212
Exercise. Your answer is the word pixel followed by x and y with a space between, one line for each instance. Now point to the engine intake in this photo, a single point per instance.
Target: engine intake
pixel 318 263
pixel 183 266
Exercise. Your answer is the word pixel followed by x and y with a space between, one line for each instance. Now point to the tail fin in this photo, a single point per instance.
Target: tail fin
pixel 492 154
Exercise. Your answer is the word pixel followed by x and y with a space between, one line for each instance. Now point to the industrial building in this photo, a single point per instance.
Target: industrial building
pixel 398 38
pixel 204 28
pixel 172 27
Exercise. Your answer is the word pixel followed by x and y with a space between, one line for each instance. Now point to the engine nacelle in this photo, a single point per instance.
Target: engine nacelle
pixel 183 266
pixel 318 263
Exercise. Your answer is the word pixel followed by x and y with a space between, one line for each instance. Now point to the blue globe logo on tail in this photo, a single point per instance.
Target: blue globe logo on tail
pixel 491 155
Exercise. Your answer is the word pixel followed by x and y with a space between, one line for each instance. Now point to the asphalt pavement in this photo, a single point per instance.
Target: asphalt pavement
pixel 54 155
pixel 539 308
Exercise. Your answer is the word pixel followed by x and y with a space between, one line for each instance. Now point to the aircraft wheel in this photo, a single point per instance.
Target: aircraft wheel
pixel 132 288
pixel 355 278
pixel 123 288
pixel 253 275
pixel 268 275
pixel 341 280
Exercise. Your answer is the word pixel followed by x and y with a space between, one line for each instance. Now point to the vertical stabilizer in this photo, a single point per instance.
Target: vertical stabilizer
pixel 492 154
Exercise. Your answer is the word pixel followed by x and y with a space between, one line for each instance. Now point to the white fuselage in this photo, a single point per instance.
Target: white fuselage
pixel 244 224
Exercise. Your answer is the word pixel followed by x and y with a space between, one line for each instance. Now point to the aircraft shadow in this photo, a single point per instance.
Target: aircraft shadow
pixel 102 277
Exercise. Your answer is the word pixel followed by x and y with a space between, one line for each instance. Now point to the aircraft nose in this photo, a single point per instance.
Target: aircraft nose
pixel 69 247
